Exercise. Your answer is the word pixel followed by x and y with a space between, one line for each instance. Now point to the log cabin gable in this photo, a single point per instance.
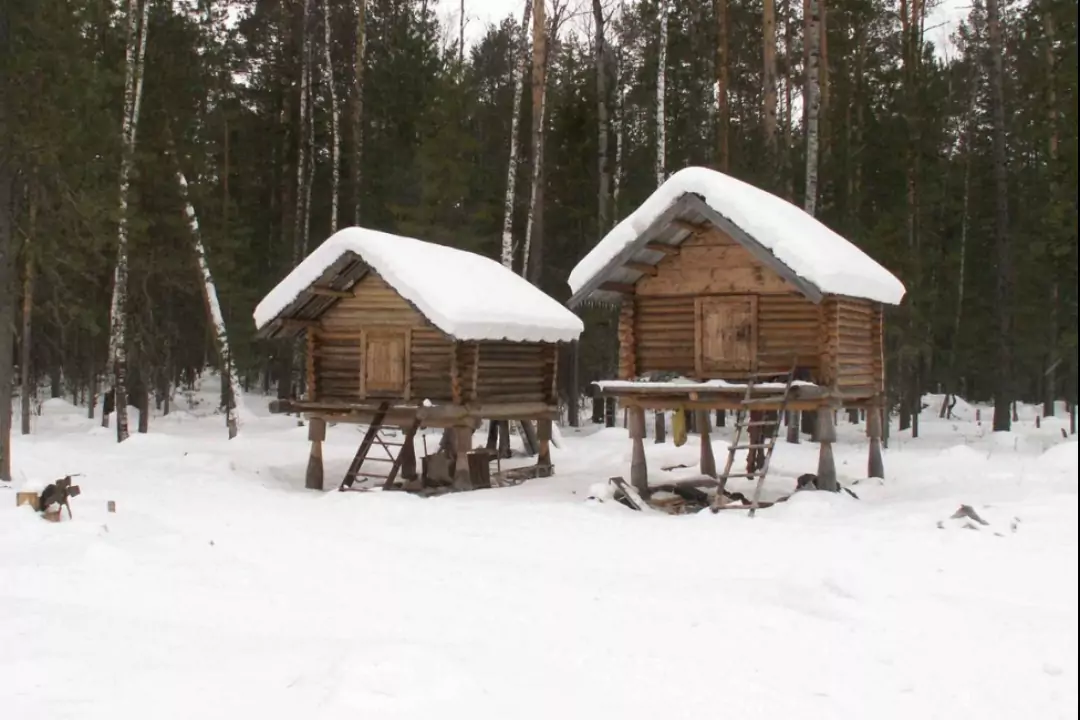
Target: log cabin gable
pixel 710 262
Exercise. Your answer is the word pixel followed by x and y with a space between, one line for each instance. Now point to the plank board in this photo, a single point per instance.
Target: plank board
pixel 726 334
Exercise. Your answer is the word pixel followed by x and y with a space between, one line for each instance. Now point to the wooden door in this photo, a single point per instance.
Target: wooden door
pixel 386 362
pixel 726 335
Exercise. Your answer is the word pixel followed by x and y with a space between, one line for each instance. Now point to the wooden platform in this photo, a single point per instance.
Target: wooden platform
pixel 436 416
pixel 722 395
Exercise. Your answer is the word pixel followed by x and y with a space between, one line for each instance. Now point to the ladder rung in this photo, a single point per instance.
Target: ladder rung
pixel 739 475
pixel 391 444
pixel 758 423
pixel 753 446
pixel 370 475
pixel 379 459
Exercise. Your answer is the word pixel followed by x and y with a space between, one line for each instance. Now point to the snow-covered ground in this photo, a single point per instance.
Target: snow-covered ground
pixel 222 589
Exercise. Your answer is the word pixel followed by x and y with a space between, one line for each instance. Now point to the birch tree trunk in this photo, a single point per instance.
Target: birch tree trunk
pixel 335 115
pixel 812 100
pixel 227 368
pixel 769 77
pixel 133 82
pixel 534 223
pixel 785 165
pixel 299 241
pixel 1003 389
pixel 515 124
pixel 661 66
pixel 604 172
pixel 358 110
pixel 723 114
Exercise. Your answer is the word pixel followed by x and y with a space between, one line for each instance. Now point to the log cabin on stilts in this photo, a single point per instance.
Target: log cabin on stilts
pixel 407 334
pixel 731 298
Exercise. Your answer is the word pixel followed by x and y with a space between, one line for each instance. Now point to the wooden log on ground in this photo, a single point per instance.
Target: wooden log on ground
pixel 480 467
pixel 313 480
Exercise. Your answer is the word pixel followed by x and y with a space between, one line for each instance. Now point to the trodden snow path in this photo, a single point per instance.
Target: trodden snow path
pixel 222 589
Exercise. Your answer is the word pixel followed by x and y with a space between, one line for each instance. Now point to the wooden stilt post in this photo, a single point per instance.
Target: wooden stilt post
pixel 408 458
pixel 659 427
pixel 826 436
pixel 462 446
pixel 639 473
pixel 794 420
pixel 708 461
pixel 721 418
pixel 316 434
pixel 875 466
pixel 543 458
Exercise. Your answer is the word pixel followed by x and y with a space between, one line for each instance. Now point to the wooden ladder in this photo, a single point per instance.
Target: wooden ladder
pixel 374 437
pixel 743 422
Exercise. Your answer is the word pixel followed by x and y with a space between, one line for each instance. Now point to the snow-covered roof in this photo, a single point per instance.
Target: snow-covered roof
pixel 467 296
pixel 805 251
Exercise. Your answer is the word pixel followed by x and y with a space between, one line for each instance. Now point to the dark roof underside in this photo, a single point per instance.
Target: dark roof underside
pixel 342 274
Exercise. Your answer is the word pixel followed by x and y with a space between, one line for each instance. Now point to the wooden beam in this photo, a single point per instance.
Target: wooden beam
pixel 687 225
pixel 643 268
pixel 297 324
pixel 329 292
pixel 623 288
pixel 662 248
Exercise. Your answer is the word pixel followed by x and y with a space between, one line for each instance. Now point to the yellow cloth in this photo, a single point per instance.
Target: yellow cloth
pixel 678 427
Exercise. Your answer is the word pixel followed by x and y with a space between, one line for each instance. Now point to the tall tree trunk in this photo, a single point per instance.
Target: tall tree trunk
pixel 812 97
pixel 1053 360
pixel 1003 361
pixel 535 223
pixel 357 163
pixel 620 130
pixel 515 123
pixel 789 120
pixel 133 82
pixel 227 368
pixel 302 136
pixel 7 271
pixel 723 114
pixel 335 114
pixel 661 75
pixel 769 77
pixel 603 221
pixel 27 312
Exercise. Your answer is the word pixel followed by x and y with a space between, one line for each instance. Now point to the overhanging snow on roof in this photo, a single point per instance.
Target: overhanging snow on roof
pixel 467 296
pixel 797 246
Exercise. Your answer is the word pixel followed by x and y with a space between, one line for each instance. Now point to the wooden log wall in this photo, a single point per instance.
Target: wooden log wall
pixel 789 326
pixel 338 351
pixel 627 369
pixel 877 339
pixel 664 335
pixel 712 263
pixel 511 372
pixel 853 351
